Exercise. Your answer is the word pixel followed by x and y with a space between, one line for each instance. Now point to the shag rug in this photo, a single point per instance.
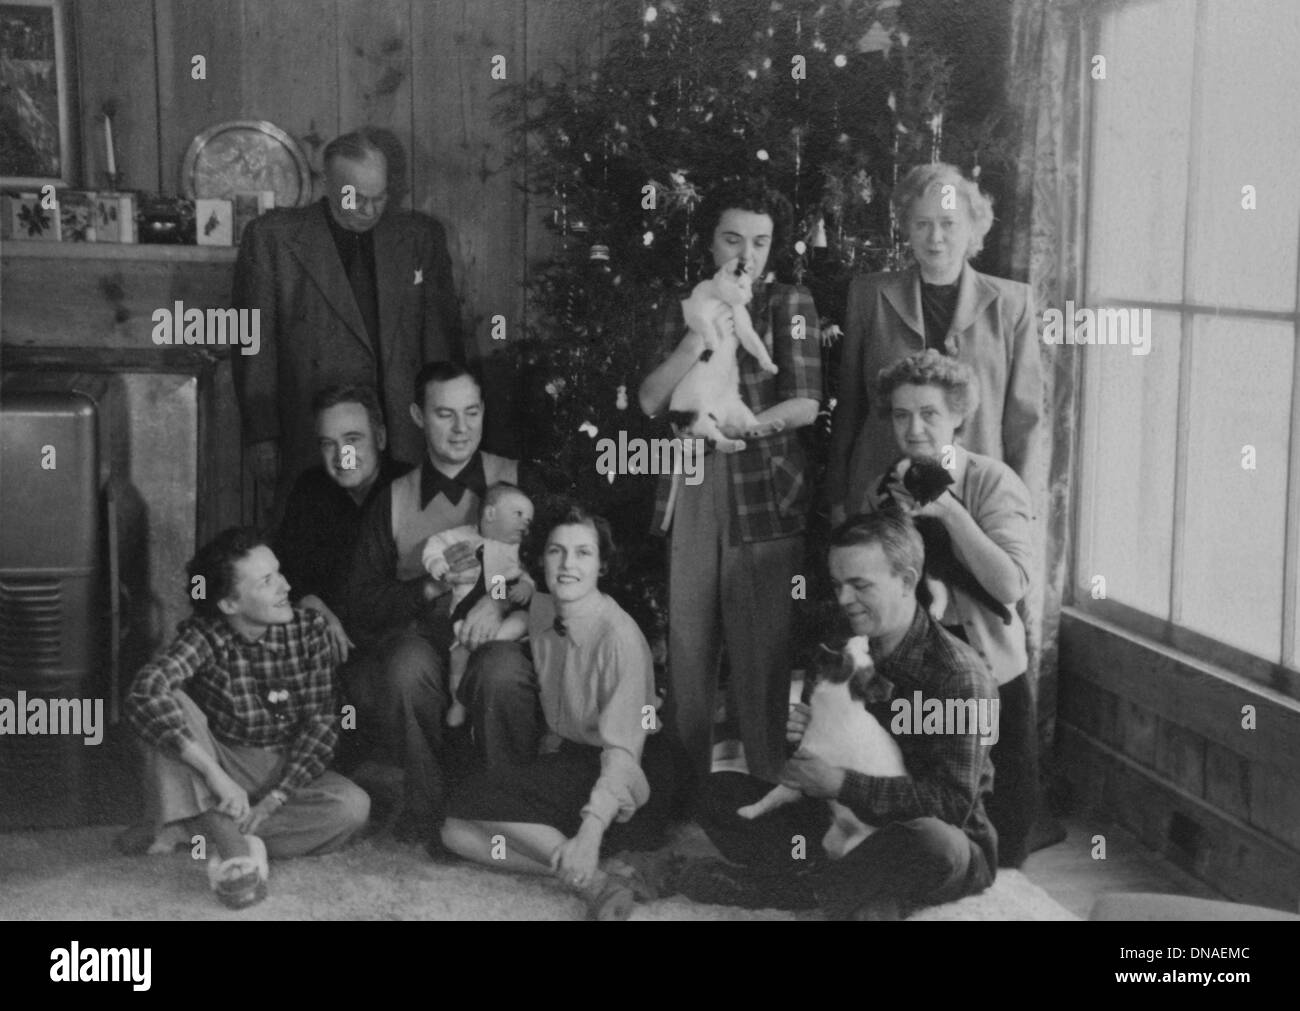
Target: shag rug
pixel 76 874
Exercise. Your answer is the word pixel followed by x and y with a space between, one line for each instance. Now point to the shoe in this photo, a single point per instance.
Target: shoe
pixel 879 910
pixel 439 853
pixel 718 883
pixel 722 884
pixel 135 841
pixel 240 881
pixel 410 827
pixel 613 902
pixel 653 876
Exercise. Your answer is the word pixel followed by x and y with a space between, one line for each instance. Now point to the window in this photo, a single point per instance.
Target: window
pixel 1189 504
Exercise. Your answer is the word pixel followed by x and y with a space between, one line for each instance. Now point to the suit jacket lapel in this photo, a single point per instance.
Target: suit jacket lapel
pixel 903 292
pixel 394 274
pixel 313 246
pixel 973 296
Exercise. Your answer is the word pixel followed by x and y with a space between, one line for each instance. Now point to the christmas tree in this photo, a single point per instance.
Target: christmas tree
pixel 829 102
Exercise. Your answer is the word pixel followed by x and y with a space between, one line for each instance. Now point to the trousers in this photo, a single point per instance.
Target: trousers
pixel 318 818
pixel 919 862
pixel 737 594
pixel 402 695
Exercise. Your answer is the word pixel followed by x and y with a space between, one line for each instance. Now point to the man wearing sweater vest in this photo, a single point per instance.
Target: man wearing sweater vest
pixel 398 614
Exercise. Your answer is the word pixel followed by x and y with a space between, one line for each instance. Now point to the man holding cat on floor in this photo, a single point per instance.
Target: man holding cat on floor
pixel 933 841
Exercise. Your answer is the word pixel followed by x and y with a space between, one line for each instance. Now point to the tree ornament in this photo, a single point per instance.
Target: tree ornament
pixel 620 398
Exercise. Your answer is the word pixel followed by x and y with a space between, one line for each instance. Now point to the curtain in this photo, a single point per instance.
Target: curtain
pixel 1042 243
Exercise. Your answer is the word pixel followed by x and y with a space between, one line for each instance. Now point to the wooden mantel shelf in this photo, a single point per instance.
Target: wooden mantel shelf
pixel 103 295
pixel 27 249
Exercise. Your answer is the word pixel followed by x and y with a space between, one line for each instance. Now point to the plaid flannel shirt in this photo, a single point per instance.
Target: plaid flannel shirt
pixel 770 477
pixel 230 679
pixel 948 775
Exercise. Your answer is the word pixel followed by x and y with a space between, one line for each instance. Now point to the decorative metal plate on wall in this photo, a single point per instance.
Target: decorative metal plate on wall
pixel 244 156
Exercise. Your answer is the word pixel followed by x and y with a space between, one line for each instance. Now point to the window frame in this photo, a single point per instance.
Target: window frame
pixel 1283 676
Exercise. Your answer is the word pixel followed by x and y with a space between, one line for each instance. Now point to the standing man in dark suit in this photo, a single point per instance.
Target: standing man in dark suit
pixel 349 292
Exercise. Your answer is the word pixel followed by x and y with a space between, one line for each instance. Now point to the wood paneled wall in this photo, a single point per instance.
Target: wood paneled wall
pixel 317 68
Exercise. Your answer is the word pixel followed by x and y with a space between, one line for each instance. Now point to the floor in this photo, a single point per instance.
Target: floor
pixel 1070 874
pixel 1067 871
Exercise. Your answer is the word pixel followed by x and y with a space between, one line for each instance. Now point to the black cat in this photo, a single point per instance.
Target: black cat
pixel 925 481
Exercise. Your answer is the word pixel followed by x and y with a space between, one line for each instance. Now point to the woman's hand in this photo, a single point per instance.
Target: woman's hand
pixel 940 508
pixel 339 639
pixel 574 860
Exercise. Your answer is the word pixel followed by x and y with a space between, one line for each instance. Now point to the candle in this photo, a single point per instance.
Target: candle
pixel 108 144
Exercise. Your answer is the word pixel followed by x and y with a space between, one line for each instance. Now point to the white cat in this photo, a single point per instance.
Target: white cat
pixel 708 397
pixel 841 733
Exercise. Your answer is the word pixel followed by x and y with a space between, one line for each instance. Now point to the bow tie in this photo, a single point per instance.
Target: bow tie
pixel 558 625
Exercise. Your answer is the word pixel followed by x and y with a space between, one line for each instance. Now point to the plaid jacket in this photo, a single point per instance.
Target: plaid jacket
pixel 771 493
pixel 949 776
pixel 231 680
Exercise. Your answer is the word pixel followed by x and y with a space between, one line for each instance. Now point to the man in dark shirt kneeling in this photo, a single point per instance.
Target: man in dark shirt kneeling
pixel 322 516
pixel 933 841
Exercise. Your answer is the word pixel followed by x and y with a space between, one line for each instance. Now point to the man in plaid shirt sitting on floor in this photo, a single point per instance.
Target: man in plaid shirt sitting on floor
pixel 934 842
pixel 238 717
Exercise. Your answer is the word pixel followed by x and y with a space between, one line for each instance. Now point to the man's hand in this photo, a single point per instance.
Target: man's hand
pixel 796 723
pixel 264 462
pixel 338 636
pixel 812 776
pixel 232 799
pixel 574 860
pixel 259 812
pixel 481 624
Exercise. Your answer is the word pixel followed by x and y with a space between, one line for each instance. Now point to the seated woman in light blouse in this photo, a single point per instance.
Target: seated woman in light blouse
pixel 601 759
pixel 928 399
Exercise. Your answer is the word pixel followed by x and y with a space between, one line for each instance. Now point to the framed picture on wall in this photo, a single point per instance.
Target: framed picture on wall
pixel 35 124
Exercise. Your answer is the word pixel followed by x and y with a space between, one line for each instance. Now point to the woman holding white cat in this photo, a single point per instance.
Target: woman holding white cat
pixel 928 399
pixel 736 539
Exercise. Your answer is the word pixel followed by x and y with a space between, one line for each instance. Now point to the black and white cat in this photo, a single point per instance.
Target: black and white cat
pixel 708 397
pixel 841 733
pixel 925 481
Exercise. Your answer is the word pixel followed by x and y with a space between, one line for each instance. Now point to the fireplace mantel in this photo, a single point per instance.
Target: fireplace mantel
pixel 98 295
pixel 72 308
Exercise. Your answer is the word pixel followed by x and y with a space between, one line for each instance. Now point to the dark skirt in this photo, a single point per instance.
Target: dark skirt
pixel 553 789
